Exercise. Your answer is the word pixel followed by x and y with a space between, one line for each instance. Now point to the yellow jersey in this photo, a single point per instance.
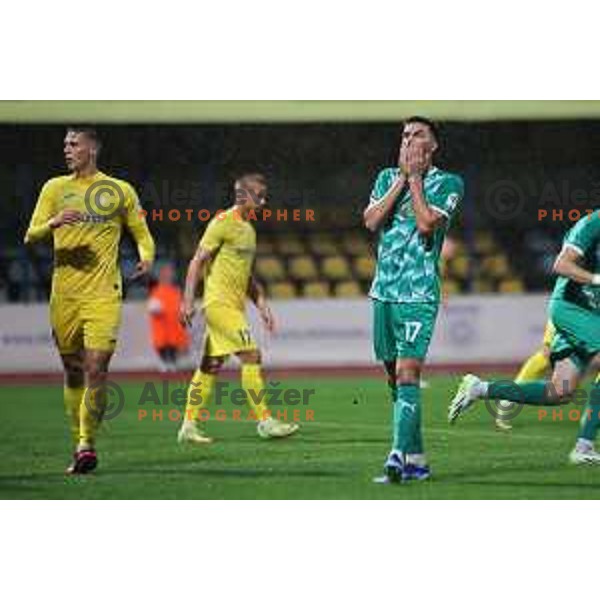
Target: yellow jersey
pixel 227 276
pixel 86 253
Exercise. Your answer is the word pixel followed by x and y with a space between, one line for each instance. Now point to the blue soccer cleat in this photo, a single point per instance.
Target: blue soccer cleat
pixel 393 469
pixel 415 472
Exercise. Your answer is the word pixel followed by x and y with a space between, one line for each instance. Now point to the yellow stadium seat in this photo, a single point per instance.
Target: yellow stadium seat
pixel 511 286
pixel 270 268
pixel 484 243
pixel 355 245
pixel 316 289
pixel 303 268
pixel 290 246
pixel 264 246
pixel 364 267
pixel 322 244
pixel 496 266
pixel 482 286
pixel 283 289
pixel 450 287
pixel 348 289
pixel 335 267
pixel 459 266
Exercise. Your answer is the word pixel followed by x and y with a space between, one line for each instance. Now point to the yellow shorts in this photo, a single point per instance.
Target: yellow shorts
pixel 226 331
pixel 549 332
pixel 90 324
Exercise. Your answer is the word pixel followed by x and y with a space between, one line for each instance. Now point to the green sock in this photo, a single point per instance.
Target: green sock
pixel 407 420
pixel 530 392
pixel 590 420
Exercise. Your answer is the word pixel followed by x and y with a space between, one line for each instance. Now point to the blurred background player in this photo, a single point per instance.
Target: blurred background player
pixel 225 260
pixel 575 314
pixel 411 206
pixel 170 338
pixel 83 214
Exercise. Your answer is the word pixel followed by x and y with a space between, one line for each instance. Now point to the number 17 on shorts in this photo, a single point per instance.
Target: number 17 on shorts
pixel 402 330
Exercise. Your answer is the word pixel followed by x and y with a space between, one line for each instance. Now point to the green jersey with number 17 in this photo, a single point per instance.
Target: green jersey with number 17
pixel 407 267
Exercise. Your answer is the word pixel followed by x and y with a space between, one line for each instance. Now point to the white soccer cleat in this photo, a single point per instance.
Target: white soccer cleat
pixel 191 433
pixel 272 428
pixel 464 398
pixel 584 455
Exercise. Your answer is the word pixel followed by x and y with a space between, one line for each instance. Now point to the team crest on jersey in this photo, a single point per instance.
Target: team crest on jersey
pixel 452 201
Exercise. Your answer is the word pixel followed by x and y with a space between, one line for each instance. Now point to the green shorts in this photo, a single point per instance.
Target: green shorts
pixel 402 330
pixel 577 333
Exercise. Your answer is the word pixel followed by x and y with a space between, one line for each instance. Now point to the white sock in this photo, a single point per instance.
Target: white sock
pixel 584 445
pixel 416 459
pixel 480 389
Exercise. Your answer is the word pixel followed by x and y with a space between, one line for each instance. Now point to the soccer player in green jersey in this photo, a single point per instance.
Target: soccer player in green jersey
pixel 411 207
pixel 575 313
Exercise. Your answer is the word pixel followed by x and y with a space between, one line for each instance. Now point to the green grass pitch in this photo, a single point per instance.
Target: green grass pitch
pixel 334 457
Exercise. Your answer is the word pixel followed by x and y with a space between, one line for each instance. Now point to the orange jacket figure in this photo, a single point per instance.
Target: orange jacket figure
pixel 169 337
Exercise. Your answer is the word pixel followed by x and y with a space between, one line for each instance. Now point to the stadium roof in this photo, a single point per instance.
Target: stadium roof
pixel 192 111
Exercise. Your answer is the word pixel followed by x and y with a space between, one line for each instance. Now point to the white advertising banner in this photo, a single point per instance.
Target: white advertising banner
pixel 470 329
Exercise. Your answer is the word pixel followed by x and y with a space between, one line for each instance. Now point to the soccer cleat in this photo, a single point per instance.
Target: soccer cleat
pixel 584 456
pixel 191 432
pixel 84 462
pixel 416 472
pixel 393 469
pixel 272 428
pixel 464 397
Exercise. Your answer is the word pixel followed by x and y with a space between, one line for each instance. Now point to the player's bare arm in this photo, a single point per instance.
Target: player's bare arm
pixel 256 293
pixel 418 160
pixel 141 234
pixel 195 271
pixel 566 264
pixel 376 214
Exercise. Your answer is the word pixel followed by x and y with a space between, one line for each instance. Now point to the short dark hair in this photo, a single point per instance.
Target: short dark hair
pixel 253 176
pixel 89 131
pixel 425 121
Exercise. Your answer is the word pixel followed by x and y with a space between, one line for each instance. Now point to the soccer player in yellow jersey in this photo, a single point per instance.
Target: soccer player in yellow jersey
pixel 83 213
pixel 224 260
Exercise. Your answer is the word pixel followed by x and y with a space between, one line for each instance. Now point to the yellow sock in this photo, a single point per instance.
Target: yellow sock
pixel 91 410
pixel 534 368
pixel 73 397
pixel 254 386
pixel 198 395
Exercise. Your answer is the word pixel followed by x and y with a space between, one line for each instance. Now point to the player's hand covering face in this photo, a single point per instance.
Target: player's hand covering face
pixel 416 149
